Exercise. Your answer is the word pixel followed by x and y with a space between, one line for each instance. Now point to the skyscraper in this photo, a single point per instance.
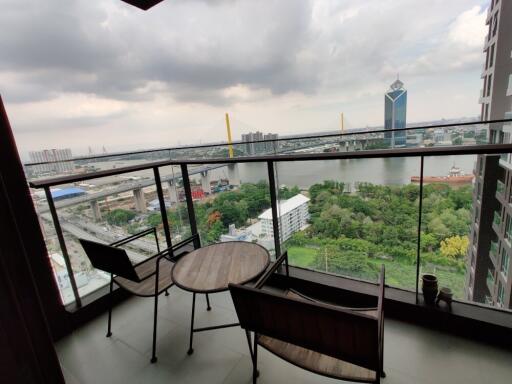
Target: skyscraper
pixel 395 110
pixel 253 148
pixel 57 156
pixel 489 270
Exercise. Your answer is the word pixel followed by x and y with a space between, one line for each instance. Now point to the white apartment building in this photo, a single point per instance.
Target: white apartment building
pixel 293 215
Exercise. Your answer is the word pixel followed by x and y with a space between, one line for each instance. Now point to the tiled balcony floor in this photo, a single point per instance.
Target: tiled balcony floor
pixel 413 355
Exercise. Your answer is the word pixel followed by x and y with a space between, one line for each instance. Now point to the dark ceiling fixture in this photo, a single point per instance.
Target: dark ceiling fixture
pixel 143 4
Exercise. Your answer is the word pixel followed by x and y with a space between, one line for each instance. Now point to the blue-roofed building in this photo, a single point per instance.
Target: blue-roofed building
pixel 66 193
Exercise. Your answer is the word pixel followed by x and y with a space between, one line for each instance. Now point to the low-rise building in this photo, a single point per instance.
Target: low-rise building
pixel 293 215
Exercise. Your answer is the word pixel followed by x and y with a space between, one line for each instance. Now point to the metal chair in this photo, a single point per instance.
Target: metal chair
pixel 148 278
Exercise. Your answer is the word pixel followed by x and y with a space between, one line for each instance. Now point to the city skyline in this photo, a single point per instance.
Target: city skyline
pixel 265 83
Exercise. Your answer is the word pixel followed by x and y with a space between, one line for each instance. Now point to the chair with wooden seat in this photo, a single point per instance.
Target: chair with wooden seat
pixel 339 342
pixel 149 278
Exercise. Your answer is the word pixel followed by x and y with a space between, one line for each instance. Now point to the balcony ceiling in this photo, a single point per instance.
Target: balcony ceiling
pixel 143 4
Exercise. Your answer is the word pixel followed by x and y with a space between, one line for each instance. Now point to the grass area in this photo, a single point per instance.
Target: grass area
pixel 301 256
pixel 398 274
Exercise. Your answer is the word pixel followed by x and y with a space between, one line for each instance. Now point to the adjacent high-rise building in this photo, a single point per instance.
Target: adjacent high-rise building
pixel 253 148
pixel 395 112
pixel 56 159
pixel 489 270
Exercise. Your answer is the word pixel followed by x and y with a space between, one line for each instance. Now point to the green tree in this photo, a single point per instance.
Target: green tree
pixel 454 247
pixel 119 216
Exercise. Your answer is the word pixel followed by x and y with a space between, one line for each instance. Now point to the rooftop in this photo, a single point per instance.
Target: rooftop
pixel 285 206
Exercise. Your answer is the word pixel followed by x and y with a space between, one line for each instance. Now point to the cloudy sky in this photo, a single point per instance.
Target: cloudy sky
pixel 79 73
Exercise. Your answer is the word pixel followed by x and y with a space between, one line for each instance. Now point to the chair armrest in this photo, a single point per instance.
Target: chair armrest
pixel 181 244
pixel 266 275
pixel 166 253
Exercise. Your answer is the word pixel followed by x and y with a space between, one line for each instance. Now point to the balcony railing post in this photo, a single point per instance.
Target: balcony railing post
pixel 273 203
pixel 420 212
pixel 163 209
pixel 62 243
pixel 190 206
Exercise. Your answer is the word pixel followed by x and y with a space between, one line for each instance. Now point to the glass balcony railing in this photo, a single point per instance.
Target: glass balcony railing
pixel 500 188
pixel 338 212
pixel 493 251
pixel 497 219
pixel 490 281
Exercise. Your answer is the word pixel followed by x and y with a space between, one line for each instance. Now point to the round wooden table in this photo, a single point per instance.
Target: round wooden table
pixel 210 269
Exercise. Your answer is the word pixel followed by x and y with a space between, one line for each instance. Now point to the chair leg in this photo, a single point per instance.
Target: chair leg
pixel 190 349
pixel 155 319
pixel 255 372
pixel 208 308
pixel 382 373
pixel 109 326
pixel 248 335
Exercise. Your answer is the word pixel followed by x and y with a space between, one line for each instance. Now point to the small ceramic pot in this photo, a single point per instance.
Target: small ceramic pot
pixel 429 288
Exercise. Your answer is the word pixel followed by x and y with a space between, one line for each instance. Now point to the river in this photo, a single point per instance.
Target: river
pixel 389 171
pixel 383 171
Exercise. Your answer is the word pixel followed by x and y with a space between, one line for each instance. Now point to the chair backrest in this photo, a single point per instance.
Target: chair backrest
pixel 110 259
pixel 340 333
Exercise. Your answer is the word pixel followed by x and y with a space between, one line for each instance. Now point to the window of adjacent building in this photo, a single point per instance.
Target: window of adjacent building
pixel 491 56
pixel 486 115
pixel 506 138
pixel 505 260
pixel 489 81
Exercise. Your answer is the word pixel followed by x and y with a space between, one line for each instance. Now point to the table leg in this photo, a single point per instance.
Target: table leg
pixel 190 349
pixel 208 308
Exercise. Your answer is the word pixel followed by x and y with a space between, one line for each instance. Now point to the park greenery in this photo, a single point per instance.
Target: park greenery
pixel 352 234
pixel 119 216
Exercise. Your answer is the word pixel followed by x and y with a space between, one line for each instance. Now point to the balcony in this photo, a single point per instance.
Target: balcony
pixel 412 354
pixel 406 206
